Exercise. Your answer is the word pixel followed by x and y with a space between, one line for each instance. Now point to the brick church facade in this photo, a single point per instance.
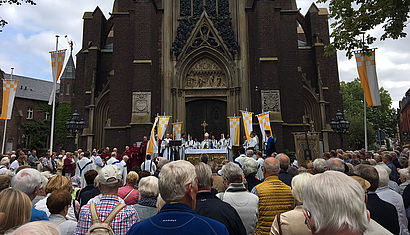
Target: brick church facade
pixel 204 60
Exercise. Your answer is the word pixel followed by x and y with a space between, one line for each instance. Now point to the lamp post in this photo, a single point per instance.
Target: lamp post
pixel 340 125
pixel 75 126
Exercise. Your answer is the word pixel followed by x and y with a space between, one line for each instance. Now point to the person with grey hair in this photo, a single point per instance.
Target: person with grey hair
pixel 284 166
pixel 274 196
pixel 208 205
pixel 236 194
pixel 344 195
pixel 161 163
pixel 293 222
pixel 319 164
pixel 29 181
pixel 404 179
pixel 148 190
pixel 4 165
pixel 335 164
pixel 217 181
pixel 403 161
pixel 392 197
pixel 178 186
pixel 250 169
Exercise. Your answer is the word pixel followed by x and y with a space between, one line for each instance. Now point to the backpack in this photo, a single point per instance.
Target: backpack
pixel 104 227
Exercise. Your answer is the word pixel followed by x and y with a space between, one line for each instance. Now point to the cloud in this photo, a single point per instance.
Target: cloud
pixel 26 41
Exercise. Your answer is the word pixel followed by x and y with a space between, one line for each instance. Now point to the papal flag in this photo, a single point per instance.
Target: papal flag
pixel 234 130
pixel 57 63
pixel 9 92
pixel 177 130
pixel 162 126
pixel 264 124
pixel 150 145
pixel 366 66
pixel 247 123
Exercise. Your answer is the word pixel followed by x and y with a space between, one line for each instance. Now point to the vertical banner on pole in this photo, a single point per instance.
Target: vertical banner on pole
pixel 264 124
pixel 177 130
pixel 366 67
pixel 57 63
pixel 247 123
pixel 150 145
pixel 9 93
pixel 162 126
pixel 234 130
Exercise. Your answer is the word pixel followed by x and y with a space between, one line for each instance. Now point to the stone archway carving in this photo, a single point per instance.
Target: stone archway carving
pixel 205 73
pixel 101 119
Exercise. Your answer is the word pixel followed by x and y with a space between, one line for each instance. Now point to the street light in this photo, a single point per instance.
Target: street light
pixel 75 126
pixel 340 126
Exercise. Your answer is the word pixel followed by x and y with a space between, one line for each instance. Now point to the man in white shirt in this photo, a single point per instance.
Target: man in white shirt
pixel 252 142
pixel 229 146
pixel 115 162
pixel 239 160
pixel 260 161
pixel 83 165
pixel 16 163
pixel 190 144
pixel 222 143
pixel 166 149
pixel 149 165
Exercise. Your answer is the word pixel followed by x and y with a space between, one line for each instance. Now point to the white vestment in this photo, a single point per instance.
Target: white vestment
pixel 82 166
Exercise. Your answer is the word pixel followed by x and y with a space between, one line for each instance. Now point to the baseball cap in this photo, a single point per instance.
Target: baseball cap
pixel 109 175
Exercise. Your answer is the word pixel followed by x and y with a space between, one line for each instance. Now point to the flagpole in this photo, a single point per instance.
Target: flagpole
pixel 54 106
pixel 365 122
pixel 5 120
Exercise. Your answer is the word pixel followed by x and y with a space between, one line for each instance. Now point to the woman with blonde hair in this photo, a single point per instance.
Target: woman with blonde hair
pixel 128 192
pixel 16 205
pixel 57 183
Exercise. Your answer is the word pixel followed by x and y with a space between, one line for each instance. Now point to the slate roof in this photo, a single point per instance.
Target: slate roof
pixel 32 88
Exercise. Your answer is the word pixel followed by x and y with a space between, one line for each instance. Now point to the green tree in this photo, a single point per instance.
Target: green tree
pixel 40 130
pixel 378 117
pixel 3 22
pixel 352 17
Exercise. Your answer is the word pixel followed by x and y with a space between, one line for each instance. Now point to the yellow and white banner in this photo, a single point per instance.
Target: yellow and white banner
pixel 177 130
pixel 9 92
pixel 150 145
pixel 234 131
pixel 366 67
pixel 162 126
pixel 264 123
pixel 247 123
pixel 57 63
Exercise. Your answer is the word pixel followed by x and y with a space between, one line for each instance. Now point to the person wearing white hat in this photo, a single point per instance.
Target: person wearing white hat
pixel 206 143
pixel 109 180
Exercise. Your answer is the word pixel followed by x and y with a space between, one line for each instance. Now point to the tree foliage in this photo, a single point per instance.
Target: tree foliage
pixel 39 130
pixel 378 117
pixel 353 17
pixel 3 22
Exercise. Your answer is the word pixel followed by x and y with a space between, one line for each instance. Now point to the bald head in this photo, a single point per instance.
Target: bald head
pixel 284 161
pixel 271 166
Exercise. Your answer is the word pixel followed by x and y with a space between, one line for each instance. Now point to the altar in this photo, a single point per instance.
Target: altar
pixel 216 155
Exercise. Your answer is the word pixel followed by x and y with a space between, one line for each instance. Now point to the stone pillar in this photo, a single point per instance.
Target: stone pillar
pixel 243 63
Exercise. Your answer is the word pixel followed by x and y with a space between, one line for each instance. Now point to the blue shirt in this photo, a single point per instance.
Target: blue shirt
pixel 178 218
pixel 37 215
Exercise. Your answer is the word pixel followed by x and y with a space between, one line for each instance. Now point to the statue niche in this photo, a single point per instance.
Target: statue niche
pixel 205 73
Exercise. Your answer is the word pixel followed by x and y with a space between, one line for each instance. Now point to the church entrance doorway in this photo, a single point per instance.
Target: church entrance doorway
pixel 213 112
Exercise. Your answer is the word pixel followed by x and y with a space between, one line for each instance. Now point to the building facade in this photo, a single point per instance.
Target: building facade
pixel 31 94
pixel 404 118
pixel 204 60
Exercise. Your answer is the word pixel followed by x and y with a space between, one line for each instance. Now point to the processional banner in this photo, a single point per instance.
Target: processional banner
pixel 177 130
pixel 366 67
pixel 150 146
pixel 264 124
pixel 234 130
pixel 57 63
pixel 9 92
pixel 162 126
pixel 247 123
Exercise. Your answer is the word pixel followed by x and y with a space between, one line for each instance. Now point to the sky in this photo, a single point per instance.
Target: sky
pixel 30 35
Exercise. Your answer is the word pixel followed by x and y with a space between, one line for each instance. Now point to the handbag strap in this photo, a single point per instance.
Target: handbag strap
pixel 128 194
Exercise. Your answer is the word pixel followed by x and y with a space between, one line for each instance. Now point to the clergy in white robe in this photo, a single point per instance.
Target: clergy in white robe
pixel 82 166
pixel 166 149
pixel 149 165
pixel 206 143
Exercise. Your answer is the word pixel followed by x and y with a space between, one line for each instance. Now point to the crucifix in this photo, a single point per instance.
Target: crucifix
pixel 204 125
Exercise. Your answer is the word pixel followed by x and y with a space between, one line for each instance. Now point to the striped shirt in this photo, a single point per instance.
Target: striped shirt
pixel 121 223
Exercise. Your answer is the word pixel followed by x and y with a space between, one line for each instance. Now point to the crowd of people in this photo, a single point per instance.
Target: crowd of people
pixel 106 192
